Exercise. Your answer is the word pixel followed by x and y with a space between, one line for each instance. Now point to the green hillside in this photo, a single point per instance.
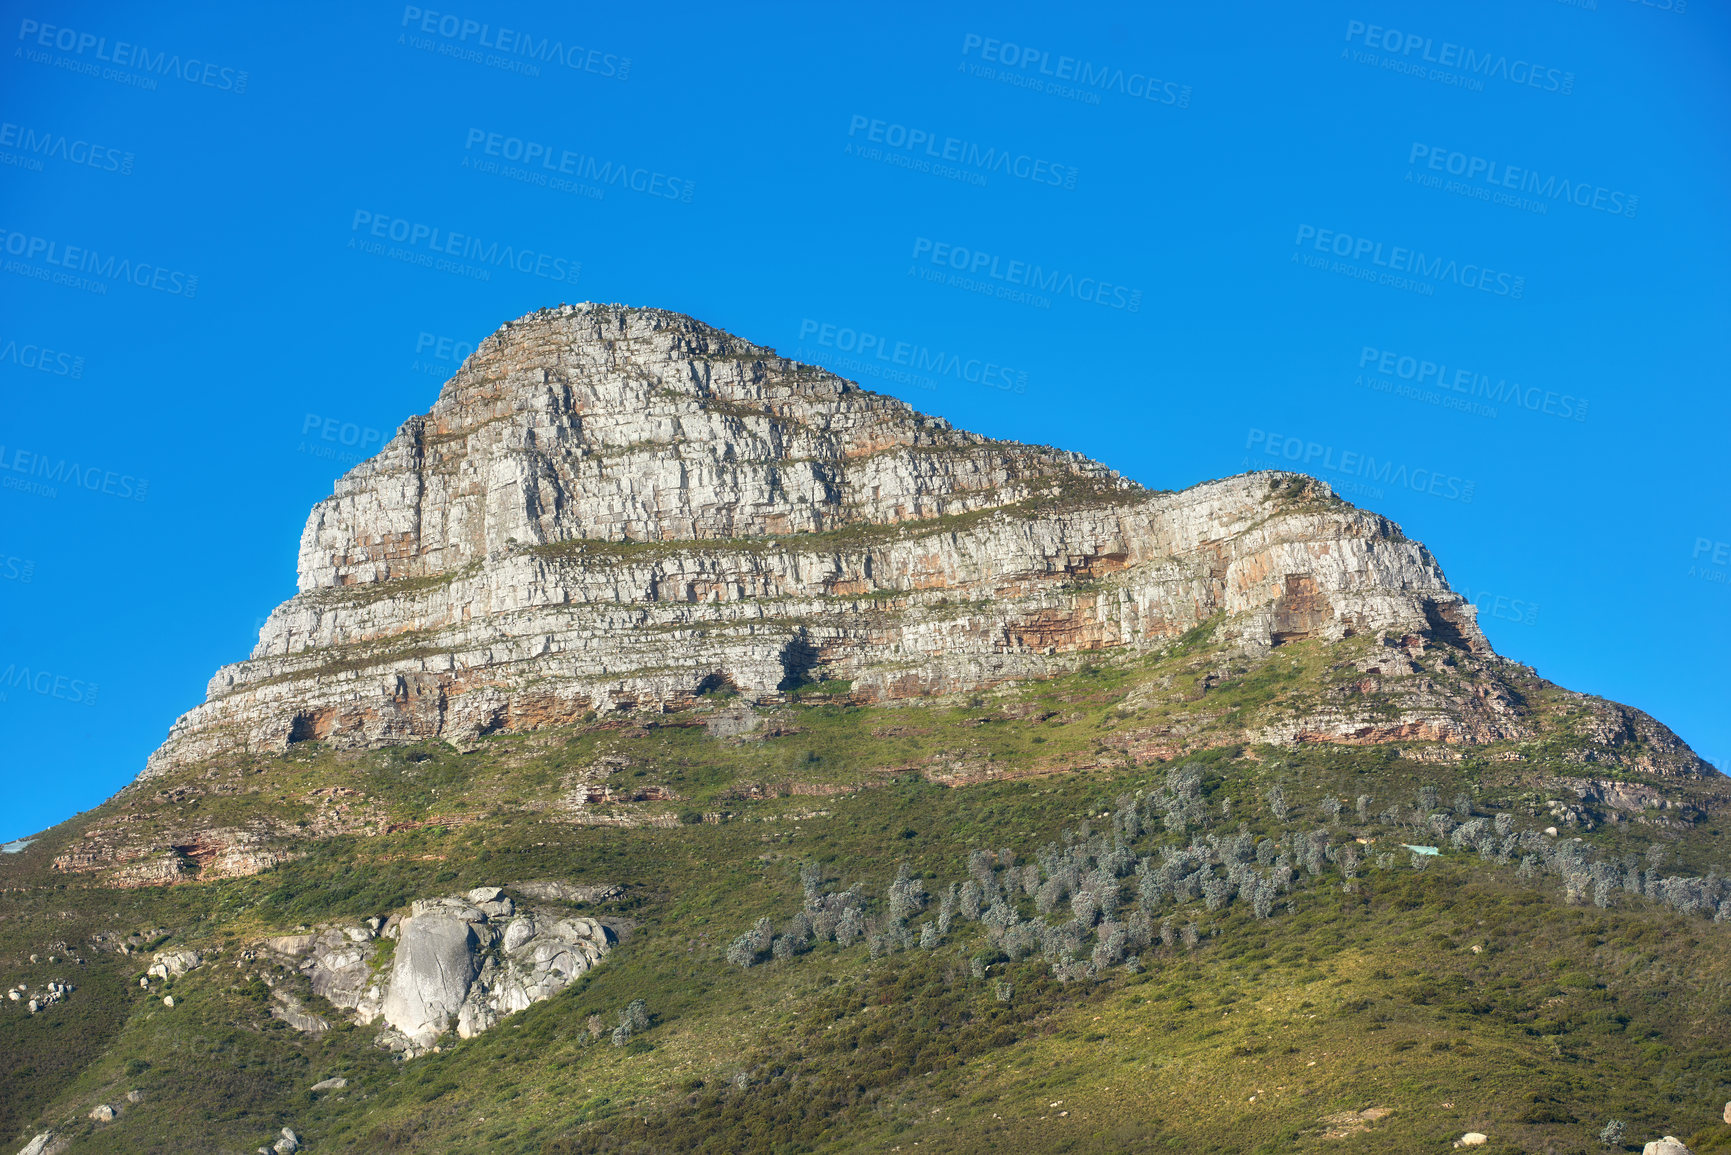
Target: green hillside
pixel 1060 936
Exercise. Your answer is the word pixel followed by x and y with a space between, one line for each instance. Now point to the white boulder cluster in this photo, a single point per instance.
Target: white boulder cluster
pixel 41 999
pixel 462 961
pixel 171 964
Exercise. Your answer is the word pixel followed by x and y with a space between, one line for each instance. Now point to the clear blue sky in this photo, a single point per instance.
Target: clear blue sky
pixel 1397 244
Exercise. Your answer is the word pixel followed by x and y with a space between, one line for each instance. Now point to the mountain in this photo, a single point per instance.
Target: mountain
pixel 613 509
pixel 673 746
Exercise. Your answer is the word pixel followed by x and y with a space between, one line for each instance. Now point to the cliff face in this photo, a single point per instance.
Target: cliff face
pixel 612 508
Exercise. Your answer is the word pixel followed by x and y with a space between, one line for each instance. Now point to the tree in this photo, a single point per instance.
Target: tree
pixel 636 1013
pixel 798 930
pixel 1349 865
pixel 1426 799
pixel 762 934
pixel 850 927
pixel 1331 808
pixel 741 953
pixel 1463 807
pixel 971 896
pixel 906 895
pixel 811 881
pixel 1611 1135
pixel 1364 801
pixel 1110 948
pixel 1277 802
pixel 1191 934
pixel 1602 892
pixel 947 910
pixel 1215 891
pixel 1261 897
pixel 929 936
pixel 1150 890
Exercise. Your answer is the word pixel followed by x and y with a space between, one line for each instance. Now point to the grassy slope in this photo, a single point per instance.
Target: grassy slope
pixel 1565 1017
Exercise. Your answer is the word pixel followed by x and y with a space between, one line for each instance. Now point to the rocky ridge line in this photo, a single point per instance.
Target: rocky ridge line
pixel 612 508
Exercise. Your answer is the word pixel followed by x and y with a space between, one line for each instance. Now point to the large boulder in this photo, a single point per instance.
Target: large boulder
pixel 1669 1145
pixel 436 961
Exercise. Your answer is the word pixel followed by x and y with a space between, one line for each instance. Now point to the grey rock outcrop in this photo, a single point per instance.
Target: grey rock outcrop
pixel 336 1084
pixel 171 964
pixel 612 508
pixel 445 970
pixel 553 890
pixel 46 1143
pixel 462 961
pixel 1669 1145
pixel 288 1008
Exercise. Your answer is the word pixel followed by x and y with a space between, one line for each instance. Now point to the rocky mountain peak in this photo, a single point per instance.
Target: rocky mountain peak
pixel 617 509
pixel 606 423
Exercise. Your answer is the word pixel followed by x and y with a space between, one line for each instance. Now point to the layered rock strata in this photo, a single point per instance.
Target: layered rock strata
pixel 612 508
